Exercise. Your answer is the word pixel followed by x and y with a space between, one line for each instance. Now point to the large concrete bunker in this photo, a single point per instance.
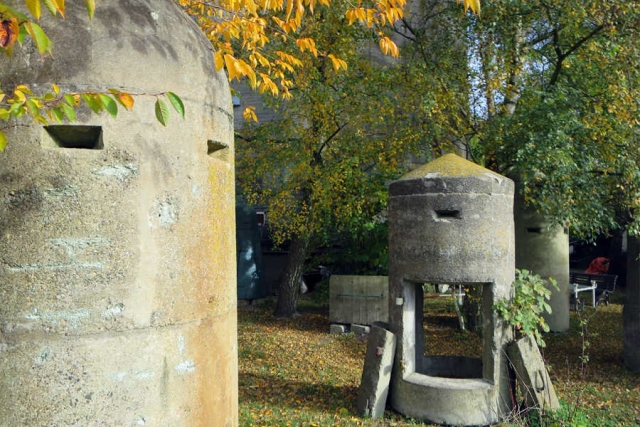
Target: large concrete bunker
pixel 450 222
pixel 117 237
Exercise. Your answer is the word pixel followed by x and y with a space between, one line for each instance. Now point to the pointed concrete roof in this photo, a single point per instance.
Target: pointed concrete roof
pixel 451 174
pixel 449 165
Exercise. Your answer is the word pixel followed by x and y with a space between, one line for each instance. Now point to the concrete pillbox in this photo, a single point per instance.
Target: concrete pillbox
pixel 117 261
pixel 450 222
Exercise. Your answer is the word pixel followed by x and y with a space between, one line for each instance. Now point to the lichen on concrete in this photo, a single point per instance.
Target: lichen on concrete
pixel 118 262
pixel 450 165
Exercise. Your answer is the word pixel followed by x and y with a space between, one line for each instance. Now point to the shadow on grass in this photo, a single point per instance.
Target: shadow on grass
pixel 602 339
pixel 293 378
pixel 262 313
pixel 267 390
pixel 442 321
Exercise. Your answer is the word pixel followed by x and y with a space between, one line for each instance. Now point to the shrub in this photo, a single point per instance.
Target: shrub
pixel 526 309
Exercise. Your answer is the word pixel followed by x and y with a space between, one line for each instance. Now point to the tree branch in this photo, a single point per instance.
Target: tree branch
pixel 561 56
pixel 333 135
pixel 582 41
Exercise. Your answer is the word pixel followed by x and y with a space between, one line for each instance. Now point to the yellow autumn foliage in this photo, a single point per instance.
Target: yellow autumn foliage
pixel 244 27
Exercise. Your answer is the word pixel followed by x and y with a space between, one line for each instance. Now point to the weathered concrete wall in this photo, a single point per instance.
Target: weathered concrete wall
pixel 117 265
pixel 545 252
pixel 358 299
pixel 450 221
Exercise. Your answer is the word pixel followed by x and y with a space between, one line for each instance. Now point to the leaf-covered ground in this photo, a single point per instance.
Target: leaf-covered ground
pixel 294 373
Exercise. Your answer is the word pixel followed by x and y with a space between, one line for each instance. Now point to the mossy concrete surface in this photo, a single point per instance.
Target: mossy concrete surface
pixel 117 268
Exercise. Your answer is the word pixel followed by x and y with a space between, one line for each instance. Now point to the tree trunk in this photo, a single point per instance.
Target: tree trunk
pixel 291 277
pixel 631 312
pixel 472 308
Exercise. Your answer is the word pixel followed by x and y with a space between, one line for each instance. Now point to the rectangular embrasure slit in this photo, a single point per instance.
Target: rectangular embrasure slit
pixel 535 230
pixel 447 213
pixel 214 146
pixel 73 136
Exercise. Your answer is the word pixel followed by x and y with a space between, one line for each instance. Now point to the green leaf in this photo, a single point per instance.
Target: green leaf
pixel 69 112
pixel 22 34
pixel 43 44
pixel 4 114
pixel 109 104
pixel 3 141
pixel 9 11
pixel 162 112
pixel 15 109
pixel 58 114
pixel 33 107
pixel 177 103
pixel 70 100
pixel 91 7
pixel 50 6
pixel 92 102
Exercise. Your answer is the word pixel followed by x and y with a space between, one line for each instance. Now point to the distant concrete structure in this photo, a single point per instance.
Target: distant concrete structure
pixel 118 271
pixel 337 329
pixel 360 329
pixel 251 280
pixel 245 97
pixel 544 251
pixel 359 300
pixel 450 221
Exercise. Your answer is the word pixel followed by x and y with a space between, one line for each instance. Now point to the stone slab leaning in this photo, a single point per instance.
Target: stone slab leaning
pixel 532 375
pixel 376 375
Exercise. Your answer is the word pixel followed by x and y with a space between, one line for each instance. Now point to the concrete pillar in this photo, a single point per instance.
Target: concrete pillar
pixel 545 252
pixel 631 313
pixel 117 237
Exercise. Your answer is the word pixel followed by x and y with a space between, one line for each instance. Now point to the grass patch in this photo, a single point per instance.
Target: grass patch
pixel 293 373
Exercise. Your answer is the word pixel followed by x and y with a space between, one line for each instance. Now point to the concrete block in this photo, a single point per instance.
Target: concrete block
pixel 376 375
pixel 337 329
pixel 360 329
pixel 532 375
pixel 359 299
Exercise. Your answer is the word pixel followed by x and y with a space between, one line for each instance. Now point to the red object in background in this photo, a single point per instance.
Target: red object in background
pixel 599 265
